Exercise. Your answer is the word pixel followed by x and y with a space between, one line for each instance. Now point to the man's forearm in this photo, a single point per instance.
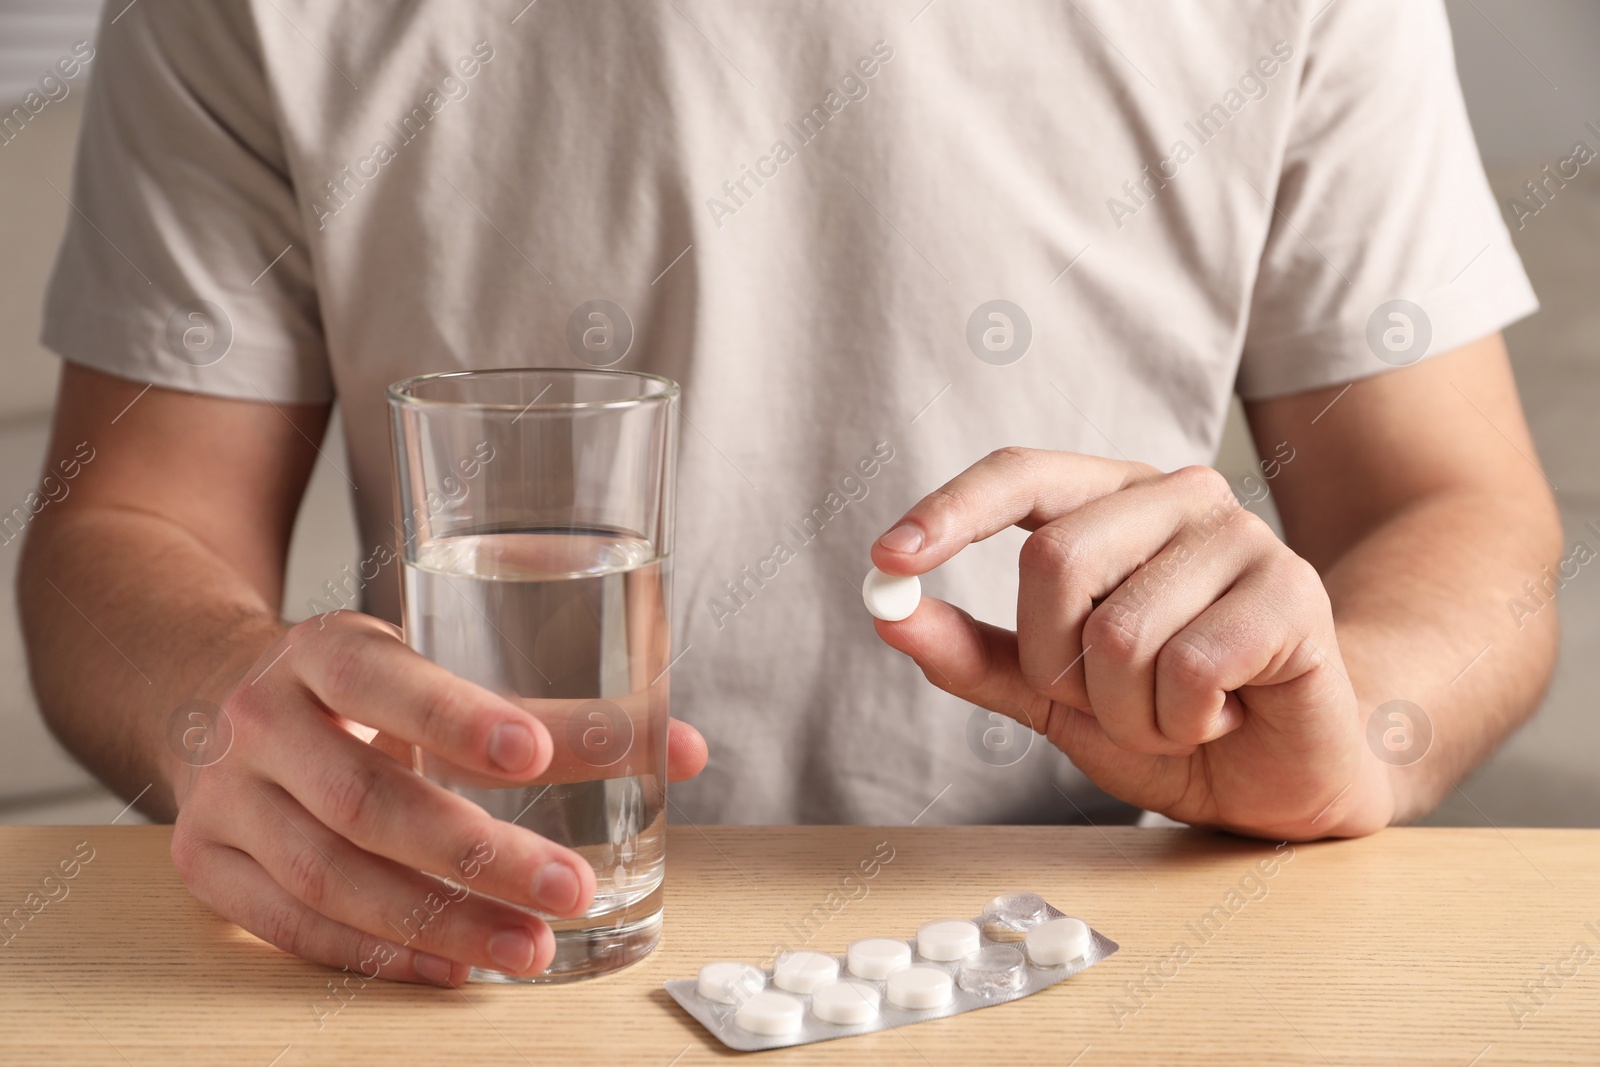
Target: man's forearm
pixel 1421 610
pixel 127 617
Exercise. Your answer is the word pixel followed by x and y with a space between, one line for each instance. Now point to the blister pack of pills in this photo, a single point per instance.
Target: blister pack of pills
pixel 1018 946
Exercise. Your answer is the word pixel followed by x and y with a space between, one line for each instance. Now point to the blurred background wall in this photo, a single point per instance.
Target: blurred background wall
pixel 1531 81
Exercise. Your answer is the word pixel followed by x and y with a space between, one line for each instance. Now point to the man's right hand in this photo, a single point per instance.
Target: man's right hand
pixel 159 579
pixel 325 844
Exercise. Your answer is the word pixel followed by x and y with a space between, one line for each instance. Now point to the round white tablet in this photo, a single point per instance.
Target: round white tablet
pixel 920 987
pixel 729 981
pixel 845 1002
pixel 1058 942
pixel 947 939
pixel 890 597
pixel 802 972
pixel 772 1014
pixel 877 957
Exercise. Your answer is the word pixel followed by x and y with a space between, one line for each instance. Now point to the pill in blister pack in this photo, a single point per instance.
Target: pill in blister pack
pixel 1018 946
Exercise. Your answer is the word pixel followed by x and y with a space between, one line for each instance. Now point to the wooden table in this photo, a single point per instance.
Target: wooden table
pixel 1414 946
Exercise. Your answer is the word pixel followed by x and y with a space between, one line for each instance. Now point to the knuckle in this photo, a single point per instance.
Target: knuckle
pixel 186 849
pixel 307 629
pixel 1115 632
pixel 1302 579
pixel 1189 665
pixel 1302 592
pixel 283 923
pixel 1206 481
pixel 475 849
pixel 1053 549
pixel 1247 523
pixel 307 878
pixel 441 715
pixel 1016 464
pixel 1015 457
pixel 1216 505
pixel 345 658
pixel 373 954
pixel 250 707
pixel 353 796
pixel 949 498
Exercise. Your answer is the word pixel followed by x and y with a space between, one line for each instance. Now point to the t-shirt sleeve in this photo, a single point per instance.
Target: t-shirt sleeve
pixel 184 262
pixel 1381 198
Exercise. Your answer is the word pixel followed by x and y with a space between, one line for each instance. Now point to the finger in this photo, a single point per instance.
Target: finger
pixel 592 738
pixel 1154 782
pixel 381 806
pixel 978 663
pixel 1014 486
pixel 686 757
pixel 1071 564
pixel 686 751
pixel 1264 632
pixel 237 888
pixel 375 895
pixel 1127 632
pixel 968 659
pixel 359 670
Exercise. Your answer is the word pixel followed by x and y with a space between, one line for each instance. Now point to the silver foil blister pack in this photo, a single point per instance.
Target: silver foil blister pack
pixel 1023 944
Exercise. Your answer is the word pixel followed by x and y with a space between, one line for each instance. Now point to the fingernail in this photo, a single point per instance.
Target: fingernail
pixel 433 968
pixel 512 950
pixel 555 888
pixel 903 538
pixel 511 746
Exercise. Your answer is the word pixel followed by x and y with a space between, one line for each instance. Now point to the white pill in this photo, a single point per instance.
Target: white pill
pixel 772 1014
pixel 890 597
pixel 845 1002
pixel 920 987
pixel 802 972
pixel 730 982
pixel 947 939
pixel 877 957
pixel 1058 942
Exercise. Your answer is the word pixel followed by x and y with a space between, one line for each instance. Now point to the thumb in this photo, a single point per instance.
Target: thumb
pixel 686 751
pixel 978 663
pixel 968 659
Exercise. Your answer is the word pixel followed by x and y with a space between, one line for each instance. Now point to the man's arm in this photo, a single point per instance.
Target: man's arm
pixel 157 581
pixel 1190 662
pixel 1419 498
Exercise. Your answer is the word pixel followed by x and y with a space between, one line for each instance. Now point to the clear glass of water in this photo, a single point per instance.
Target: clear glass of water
pixel 536 513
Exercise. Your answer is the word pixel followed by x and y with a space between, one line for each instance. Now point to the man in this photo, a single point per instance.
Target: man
pixel 1025 255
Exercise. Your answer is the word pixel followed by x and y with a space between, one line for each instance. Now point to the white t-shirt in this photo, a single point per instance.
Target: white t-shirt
pixel 804 214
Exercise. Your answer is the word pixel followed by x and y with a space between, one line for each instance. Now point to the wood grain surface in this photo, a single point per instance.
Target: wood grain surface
pixel 1416 946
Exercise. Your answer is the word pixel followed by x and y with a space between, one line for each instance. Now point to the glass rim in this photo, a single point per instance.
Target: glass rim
pixel 396 393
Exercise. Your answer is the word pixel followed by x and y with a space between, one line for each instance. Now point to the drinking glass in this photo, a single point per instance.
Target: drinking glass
pixel 536 512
